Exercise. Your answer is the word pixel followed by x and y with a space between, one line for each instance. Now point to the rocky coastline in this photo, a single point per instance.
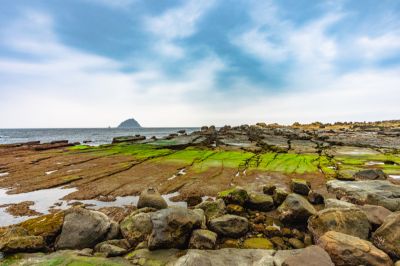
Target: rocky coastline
pixel 312 194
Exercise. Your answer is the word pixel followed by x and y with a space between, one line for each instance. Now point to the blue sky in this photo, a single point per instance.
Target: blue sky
pixel 93 63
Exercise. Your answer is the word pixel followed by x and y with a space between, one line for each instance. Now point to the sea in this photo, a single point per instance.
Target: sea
pixel 93 136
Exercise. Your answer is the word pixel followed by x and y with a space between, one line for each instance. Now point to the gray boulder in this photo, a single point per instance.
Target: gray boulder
pixel 295 209
pixel 83 229
pixel 229 225
pixel 370 174
pixel 150 197
pixel 173 227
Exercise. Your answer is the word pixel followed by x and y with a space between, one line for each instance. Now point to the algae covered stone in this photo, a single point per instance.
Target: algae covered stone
pixel 260 202
pixel 203 239
pixel 258 243
pixel 229 225
pixel 136 227
pixel 212 209
pixel 236 195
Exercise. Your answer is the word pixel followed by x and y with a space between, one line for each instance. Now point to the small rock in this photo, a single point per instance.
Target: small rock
pixel 351 221
pixel 310 256
pixel 260 202
pixel 212 209
pixel 307 240
pixel 296 243
pixel 193 201
pixel 234 209
pixel 110 250
pixel 295 209
pixel 315 197
pixel 257 243
pixel 370 174
pixel 229 225
pixel 271 231
pixel 235 195
pixel 279 243
pixel 269 189
pixel 300 186
pixel 150 197
pixel 203 239
pixel 346 250
pixel 279 196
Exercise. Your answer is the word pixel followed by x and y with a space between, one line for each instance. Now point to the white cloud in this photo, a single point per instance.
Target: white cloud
pixel 380 47
pixel 175 24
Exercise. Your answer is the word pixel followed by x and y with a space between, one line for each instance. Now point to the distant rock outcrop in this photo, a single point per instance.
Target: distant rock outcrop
pixel 130 123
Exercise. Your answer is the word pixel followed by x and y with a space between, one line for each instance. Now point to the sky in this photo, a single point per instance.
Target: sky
pixel 95 63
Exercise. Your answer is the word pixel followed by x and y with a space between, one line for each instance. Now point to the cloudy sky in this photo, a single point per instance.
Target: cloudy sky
pixel 94 63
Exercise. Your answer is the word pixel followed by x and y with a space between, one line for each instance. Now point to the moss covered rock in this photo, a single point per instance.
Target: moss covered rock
pixel 258 243
pixel 235 195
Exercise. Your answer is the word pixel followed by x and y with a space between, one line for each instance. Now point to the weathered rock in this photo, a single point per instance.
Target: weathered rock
pixel 376 214
pixel 260 202
pixel 150 197
pixel 300 186
pixel 114 231
pixel 212 209
pixel 315 197
pixel 347 250
pixel 296 243
pixel 279 196
pixel 202 217
pixel 370 174
pixel 82 229
pixel 229 225
pixel 136 228
pixel 203 239
pixel 193 200
pixel 235 195
pixel 334 203
pixel 226 256
pixel 349 221
pixel 310 256
pixel 373 192
pixel 387 236
pixel 295 209
pixel 258 243
pixel 172 228
pixel 12 244
pixel 113 248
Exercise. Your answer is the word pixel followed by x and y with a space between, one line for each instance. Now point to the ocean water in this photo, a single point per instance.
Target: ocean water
pixel 97 136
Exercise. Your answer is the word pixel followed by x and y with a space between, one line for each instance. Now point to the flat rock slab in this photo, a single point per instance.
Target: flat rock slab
pixel 375 192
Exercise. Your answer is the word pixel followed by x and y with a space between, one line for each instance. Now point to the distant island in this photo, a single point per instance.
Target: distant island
pixel 129 123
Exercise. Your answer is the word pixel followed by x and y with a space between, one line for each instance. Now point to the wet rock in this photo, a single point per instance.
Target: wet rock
pixel 257 243
pixel 300 186
pixel 334 203
pixel 279 196
pixel 315 197
pixel 295 209
pixel 349 221
pixel 373 192
pixel 269 189
pixel 203 239
pixel 229 225
pixel 136 227
pixel 193 201
pixel 235 195
pixel 376 214
pixel 370 174
pixel 226 256
pixel 150 197
pixel 296 243
pixel 235 209
pixel 310 256
pixel 260 202
pixel 212 209
pixel 387 236
pixel 346 250
pixel 172 228
pixel 83 229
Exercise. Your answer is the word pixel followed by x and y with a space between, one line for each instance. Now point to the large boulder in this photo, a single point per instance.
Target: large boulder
pixel 226 256
pixel 295 209
pixel 300 186
pixel 150 197
pixel 212 209
pixel 310 256
pixel 236 195
pixel 351 221
pixel 260 202
pixel 203 239
pixel 387 236
pixel 346 250
pixel 370 174
pixel 373 192
pixel 229 225
pixel 136 227
pixel 83 229
pixel 173 227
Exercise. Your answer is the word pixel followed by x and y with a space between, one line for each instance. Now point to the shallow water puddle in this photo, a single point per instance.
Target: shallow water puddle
pixel 397 177
pixel 50 172
pixel 46 199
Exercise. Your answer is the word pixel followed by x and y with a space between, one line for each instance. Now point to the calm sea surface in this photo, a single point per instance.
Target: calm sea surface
pixel 96 135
